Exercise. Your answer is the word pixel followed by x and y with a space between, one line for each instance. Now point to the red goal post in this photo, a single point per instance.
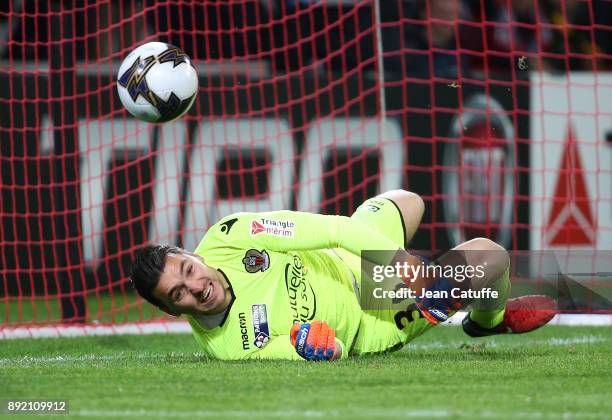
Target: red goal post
pixel 499 116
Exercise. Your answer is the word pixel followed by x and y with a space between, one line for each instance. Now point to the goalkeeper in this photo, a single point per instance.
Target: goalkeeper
pixel 286 285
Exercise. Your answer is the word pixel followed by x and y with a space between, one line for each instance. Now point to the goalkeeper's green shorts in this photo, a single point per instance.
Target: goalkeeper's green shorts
pixel 383 329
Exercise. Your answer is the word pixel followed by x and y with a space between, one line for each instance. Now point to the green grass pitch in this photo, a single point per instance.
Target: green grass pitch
pixel 556 372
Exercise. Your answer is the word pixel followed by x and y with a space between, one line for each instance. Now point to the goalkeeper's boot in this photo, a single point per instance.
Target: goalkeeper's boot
pixel 522 315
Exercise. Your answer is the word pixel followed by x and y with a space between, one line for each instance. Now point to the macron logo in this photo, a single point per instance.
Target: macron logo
pixel 257 228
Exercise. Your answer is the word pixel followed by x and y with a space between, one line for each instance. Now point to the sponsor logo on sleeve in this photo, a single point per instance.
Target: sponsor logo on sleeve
pixel 255 261
pixel 280 228
pixel 372 205
pixel 261 329
pixel 227 225
pixel 257 228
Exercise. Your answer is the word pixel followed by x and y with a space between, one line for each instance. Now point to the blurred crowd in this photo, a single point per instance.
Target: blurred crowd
pixel 497 36
pixel 420 38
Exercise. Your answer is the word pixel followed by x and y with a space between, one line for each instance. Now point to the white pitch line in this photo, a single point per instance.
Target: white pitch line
pixel 587 339
pixel 180 327
pixel 29 360
pixel 585 320
pixel 554 341
pixel 55 331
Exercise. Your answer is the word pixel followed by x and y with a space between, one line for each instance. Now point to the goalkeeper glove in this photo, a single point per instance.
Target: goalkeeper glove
pixel 435 309
pixel 315 341
pixel 438 309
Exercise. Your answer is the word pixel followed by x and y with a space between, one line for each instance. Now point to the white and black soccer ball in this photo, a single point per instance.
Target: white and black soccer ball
pixel 157 82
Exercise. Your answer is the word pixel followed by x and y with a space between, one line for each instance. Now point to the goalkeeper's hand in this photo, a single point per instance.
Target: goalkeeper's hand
pixel 442 304
pixel 315 341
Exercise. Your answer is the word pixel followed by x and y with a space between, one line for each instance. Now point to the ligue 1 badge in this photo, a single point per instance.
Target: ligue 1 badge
pixel 255 261
pixel 261 327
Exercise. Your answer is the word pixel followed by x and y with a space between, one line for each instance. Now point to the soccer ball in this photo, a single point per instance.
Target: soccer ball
pixel 157 82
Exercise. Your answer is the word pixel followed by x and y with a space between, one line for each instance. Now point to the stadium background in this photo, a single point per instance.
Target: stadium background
pixel 497 113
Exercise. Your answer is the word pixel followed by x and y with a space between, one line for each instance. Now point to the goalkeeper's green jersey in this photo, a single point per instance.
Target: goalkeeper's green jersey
pixel 282 268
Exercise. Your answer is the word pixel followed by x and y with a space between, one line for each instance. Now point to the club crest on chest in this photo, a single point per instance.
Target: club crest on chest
pixel 255 261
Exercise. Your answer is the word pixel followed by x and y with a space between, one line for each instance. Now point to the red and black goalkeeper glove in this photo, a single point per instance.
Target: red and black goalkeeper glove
pixel 315 341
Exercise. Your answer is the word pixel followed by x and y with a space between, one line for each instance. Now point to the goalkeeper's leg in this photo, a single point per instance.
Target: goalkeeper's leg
pixel 411 209
pixel 489 312
pixel 398 213
pixel 395 214
pixel 442 293
pixel 502 315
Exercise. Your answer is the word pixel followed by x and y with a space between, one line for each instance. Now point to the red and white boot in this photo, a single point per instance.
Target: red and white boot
pixel 522 315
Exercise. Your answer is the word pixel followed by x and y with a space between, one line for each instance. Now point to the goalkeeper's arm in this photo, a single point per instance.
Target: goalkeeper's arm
pixel 282 348
pixel 299 231
pixel 314 341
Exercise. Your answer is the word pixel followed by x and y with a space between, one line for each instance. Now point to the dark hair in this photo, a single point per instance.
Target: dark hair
pixel 148 267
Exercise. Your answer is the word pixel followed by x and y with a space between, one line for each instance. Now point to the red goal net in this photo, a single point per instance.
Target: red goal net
pixel 498 113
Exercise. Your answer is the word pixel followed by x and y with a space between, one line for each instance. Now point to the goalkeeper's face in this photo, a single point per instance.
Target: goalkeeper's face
pixel 188 286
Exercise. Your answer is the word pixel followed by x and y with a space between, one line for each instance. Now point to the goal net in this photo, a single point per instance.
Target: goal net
pixel 498 113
